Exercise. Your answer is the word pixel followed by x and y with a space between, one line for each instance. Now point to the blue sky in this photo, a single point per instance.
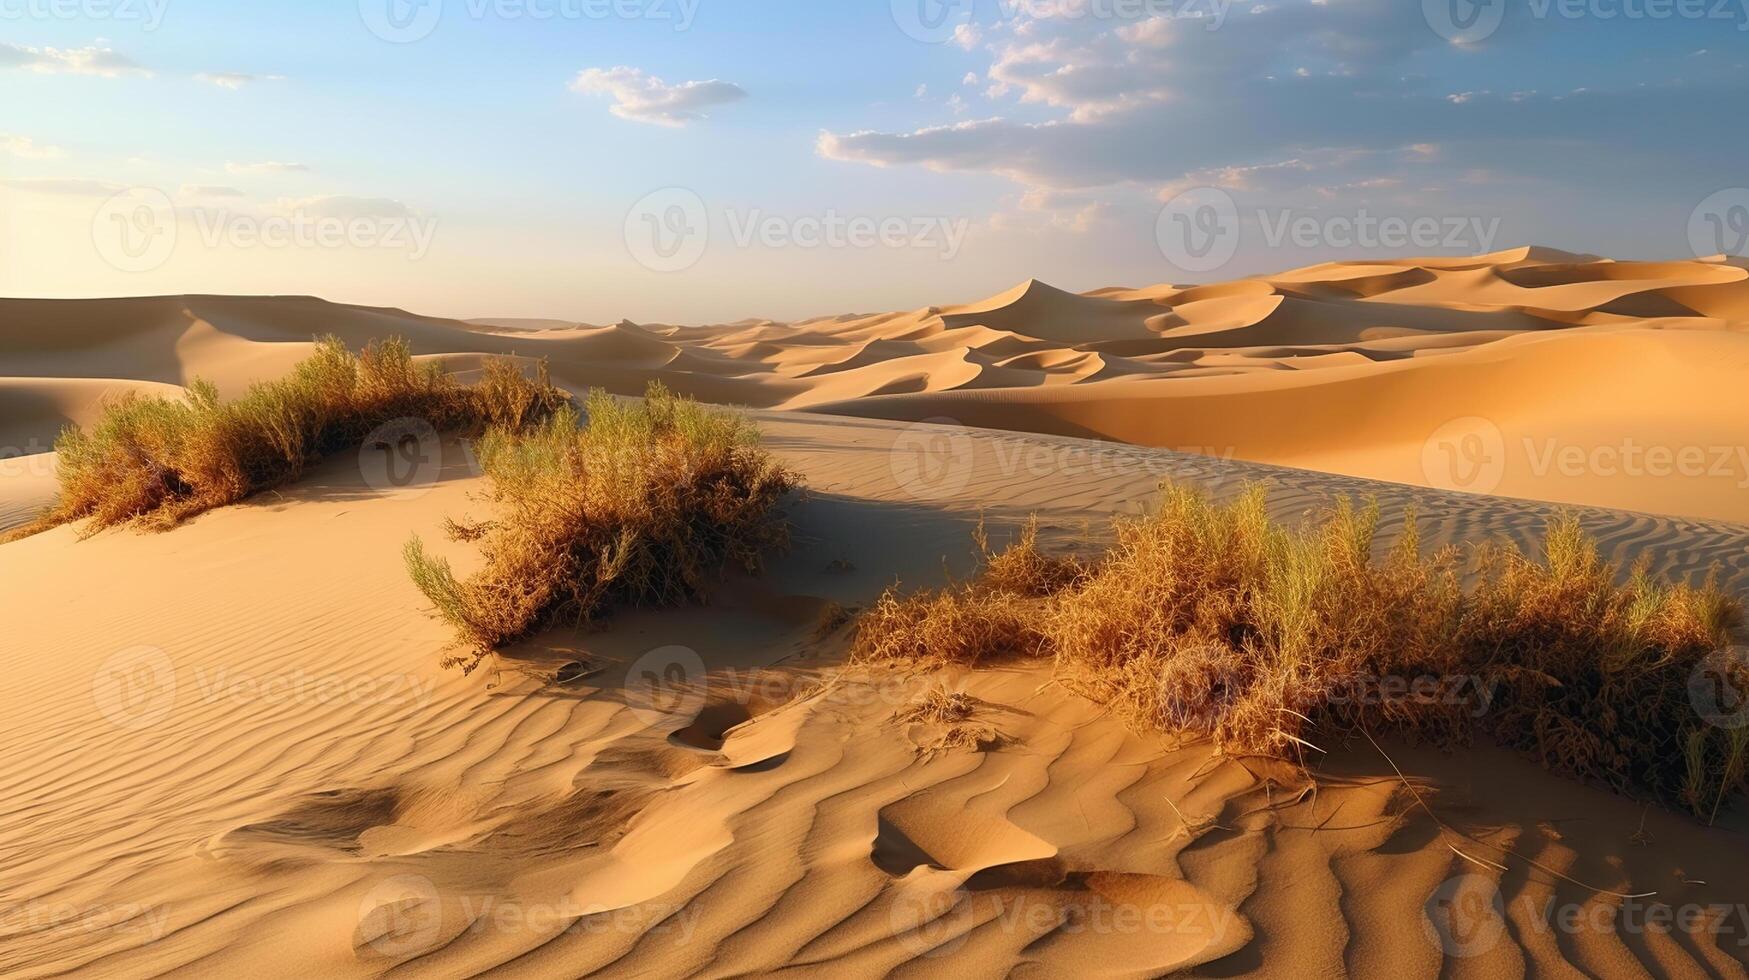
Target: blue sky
pixel 497 165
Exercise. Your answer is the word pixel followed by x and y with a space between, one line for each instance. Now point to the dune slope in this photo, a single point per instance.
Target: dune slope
pixel 1530 373
pixel 254 766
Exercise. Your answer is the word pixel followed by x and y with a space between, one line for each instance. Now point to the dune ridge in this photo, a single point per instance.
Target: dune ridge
pixel 1374 369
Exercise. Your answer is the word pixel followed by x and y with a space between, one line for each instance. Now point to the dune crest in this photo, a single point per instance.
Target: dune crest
pixel 1371 368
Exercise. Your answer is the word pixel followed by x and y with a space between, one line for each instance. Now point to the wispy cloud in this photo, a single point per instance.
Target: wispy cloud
pixel 642 97
pixel 209 191
pixel 265 167
pixel 234 80
pixel 66 186
pixel 102 62
pixel 25 148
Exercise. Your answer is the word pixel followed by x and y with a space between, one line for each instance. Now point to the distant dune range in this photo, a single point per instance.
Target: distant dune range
pixel 1530 373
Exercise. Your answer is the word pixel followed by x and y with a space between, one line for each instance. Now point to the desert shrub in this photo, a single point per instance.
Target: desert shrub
pixel 1595 676
pixel 1216 621
pixel 647 504
pixel 159 461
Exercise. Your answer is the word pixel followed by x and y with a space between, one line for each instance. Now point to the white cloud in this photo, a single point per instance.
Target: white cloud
pixel 967 36
pixel 91 60
pixel 67 186
pixel 1135 109
pixel 345 207
pixel 642 97
pixel 208 191
pixel 25 148
pixel 234 80
pixel 265 167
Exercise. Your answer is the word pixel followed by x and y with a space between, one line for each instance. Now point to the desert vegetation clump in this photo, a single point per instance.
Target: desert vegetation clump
pixel 155 462
pixel 648 503
pixel 1216 621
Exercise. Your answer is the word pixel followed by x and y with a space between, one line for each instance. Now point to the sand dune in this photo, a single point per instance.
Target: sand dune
pixel 1477 374
pixel 231 749
pixel 255 766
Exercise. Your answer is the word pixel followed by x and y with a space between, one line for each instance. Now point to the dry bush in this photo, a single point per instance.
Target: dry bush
pixel 159 461
pixel 646 505
pixel 1595 675
pixel 968 624
pixel 1216 621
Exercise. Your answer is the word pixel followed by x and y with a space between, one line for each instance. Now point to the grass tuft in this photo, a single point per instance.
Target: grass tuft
pixel 1215 621
pixel 156 462
pixel 646 505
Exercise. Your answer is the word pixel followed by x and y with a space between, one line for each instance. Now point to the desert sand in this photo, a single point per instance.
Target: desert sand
pixel 231 748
